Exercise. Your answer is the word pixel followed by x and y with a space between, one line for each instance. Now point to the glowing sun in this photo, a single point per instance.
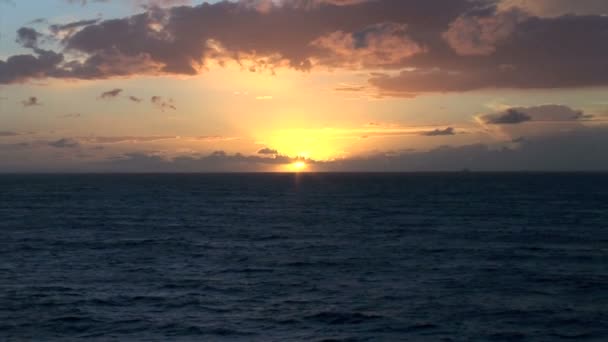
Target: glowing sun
pixel 298 166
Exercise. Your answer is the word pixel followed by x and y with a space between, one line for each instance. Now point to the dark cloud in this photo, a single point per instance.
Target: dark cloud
pixel 544 113
pixel 439 132
pixel 191 35
pixel 510 117
pixel 268 151
pixel 401 132
pixel 20 68
pixel 161 103
pixel 64 143
pixel 218 161
pixel 110 94
pixel 28 37
pixel 8 134
pixel 423 45
pixel 180 40
pixel 135 99
pixel 498 50
pixel 31 101
pixel 38 21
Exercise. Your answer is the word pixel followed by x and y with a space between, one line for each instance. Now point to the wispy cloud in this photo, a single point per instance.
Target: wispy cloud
pixel 110 94
pixel 31 101
pixel 268 151
pixel 162 103
pixel 439 132
pixel 64 143
pixel 71 116
pixel 123 139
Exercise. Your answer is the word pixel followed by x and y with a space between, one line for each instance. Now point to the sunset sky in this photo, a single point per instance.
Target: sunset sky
pixel 303 85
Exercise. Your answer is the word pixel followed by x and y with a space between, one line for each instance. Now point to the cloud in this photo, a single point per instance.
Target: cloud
pixel 544 113
pixel 479 35
pixel 161 3
pixel 28 37
pixel 71 116
pixel 374 46
pixel 64 143
pixel 8 134
pixel 350 88
pixel 163 104
pixel 218 161
pixel 556 8
pixel 579 150
pixel 135 99
pixel 123 139
pixel 183 40
pixel 439 132
pixel 213 138
pixel 110 94
pixel 400 132
pixel 20 68
pixel 533 54
pixel 295 30
pixel 420 46
pixel 266 6
pixel 71 26
pixel 515 123
pixel 510 117
pixel 31 101
pixel 268 151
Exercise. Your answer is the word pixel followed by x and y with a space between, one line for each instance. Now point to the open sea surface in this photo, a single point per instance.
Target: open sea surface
pixel 304 257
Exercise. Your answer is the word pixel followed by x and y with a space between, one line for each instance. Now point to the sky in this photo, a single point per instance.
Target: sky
pixel 303 85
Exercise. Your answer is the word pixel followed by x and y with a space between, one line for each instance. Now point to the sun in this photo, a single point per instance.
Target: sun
pixel 298 166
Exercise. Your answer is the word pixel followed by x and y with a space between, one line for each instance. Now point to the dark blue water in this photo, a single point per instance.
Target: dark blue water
pixel 311 257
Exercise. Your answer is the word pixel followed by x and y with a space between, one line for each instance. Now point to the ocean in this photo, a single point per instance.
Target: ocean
pixel 304 257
